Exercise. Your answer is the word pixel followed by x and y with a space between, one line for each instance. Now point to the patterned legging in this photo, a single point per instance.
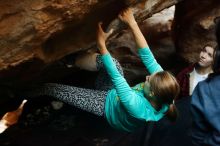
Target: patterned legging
pixel 89 100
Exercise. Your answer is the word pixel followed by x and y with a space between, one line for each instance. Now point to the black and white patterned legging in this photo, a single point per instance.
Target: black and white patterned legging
pixel 89 100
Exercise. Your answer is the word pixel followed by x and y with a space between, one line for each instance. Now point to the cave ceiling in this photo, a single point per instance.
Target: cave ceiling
pixel 34 34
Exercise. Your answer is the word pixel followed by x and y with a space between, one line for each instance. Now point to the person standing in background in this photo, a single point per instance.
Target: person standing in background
pixel 189 77
pixel 205 105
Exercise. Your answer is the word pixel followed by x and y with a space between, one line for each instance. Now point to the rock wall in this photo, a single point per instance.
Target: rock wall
pixel 36 33
pixel 49 30
pixel 194 26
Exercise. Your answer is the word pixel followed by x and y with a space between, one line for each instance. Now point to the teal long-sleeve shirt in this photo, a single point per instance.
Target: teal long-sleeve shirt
pixel 126 108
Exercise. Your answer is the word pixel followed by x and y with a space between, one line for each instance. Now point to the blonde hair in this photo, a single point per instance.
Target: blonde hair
pixel 165 87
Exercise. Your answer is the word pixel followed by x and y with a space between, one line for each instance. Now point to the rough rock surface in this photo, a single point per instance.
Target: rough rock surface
pixel 37 36
pixel 194 25
pixel 35 33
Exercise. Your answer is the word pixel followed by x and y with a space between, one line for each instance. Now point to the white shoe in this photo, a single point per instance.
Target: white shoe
pixel 3 126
